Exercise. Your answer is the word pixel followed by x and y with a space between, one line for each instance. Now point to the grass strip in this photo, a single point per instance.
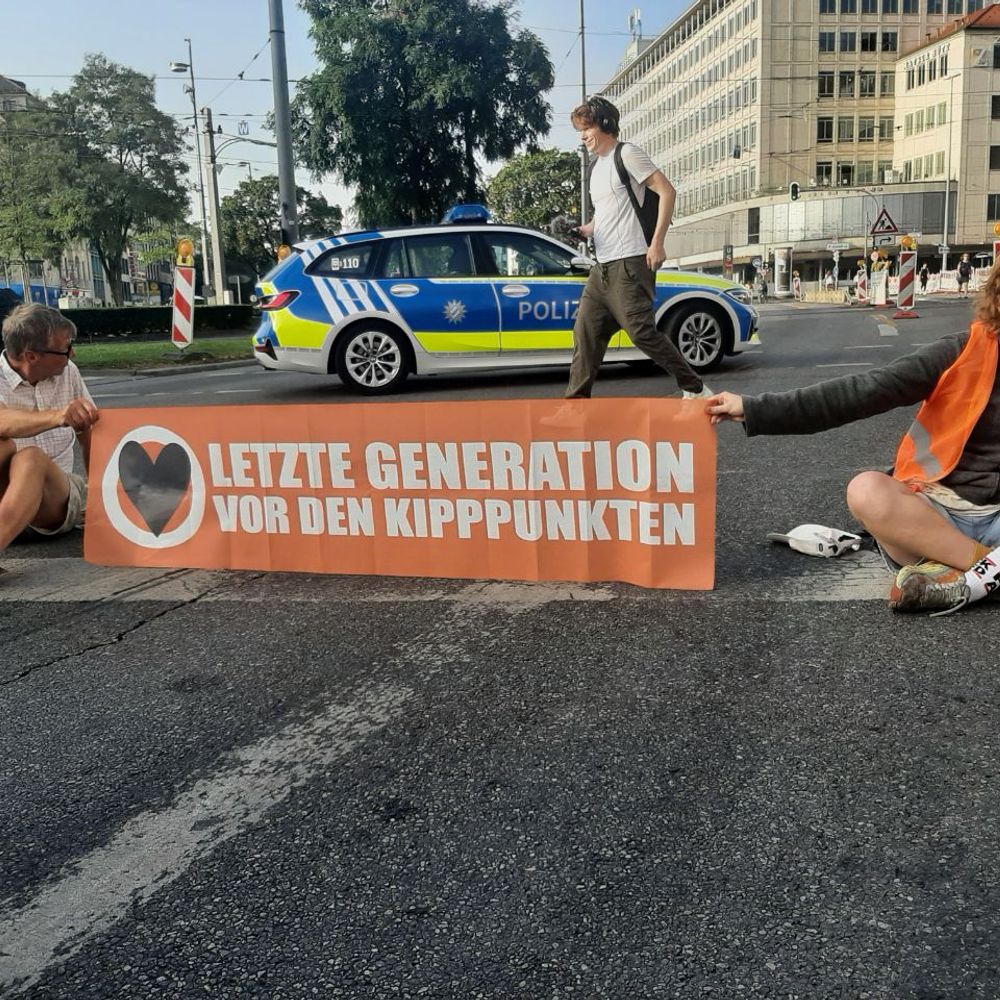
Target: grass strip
pixel 161 353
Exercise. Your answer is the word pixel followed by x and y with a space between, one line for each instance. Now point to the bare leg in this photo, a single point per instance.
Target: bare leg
pixel 906 526
pixel 33 490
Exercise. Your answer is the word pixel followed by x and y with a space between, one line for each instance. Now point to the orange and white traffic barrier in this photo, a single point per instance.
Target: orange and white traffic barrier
pixel 907 285
pixel 182 327
pixel 861 286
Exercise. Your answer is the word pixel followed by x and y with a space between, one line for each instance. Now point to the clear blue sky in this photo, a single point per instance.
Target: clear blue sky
pixel 45 43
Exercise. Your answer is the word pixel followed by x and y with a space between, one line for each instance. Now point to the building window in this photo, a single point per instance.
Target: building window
pixel 908 125
pixel 996 56
pixel 955 6
pixel 890 6
pixel 942 115
pixel 918 123
pixel 911 6
pixel 930 117
pixel 995 107
pixel 994 157
pixel 753 225
pixel 885 128
pixel 885 172
pixel 824 129
pixel 889 41
pixel 939 163
pixel 921 74
pixel 824 173
pixel 916 173
pixel 869 41
pixel 887 84
pixel 866 172
pixel 828 6
pixel 869 6
pixel 848 41
pixel 847 83
pixel 845 130
pixel 866 83
pixel 944 63
pixel 845 174
pixel 848 6
pixel 975 5
pixel 935 6
pixel 828 41
pixel 826 85
pixel 866 128
pixel 993 206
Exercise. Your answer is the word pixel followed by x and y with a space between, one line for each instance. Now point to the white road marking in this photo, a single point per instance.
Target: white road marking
pixel 847 364
pixel 97 394
pixel 887 330
pixel 223 392
pixel 156 847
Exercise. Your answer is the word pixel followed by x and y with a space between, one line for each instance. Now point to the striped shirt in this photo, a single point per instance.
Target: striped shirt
pixel 50 394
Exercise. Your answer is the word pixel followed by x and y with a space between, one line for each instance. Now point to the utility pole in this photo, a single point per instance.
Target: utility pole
pixel 947 170
pixel 584 156
pixel 218 260
pixel 283 127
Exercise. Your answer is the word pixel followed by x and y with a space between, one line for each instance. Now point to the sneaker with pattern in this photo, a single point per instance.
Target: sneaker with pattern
pixel 929 586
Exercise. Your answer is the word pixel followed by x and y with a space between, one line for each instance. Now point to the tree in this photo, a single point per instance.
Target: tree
pixel 250 221
pixel 411 93
pixel 34 196
pixel 125 156
pixel 533 189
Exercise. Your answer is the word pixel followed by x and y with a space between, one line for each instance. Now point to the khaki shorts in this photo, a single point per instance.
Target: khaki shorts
pixel 76 507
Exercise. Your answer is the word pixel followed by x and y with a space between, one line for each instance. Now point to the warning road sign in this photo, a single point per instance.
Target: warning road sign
pixel 883 224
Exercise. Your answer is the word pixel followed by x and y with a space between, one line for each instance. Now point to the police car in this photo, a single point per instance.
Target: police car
pixel 376 306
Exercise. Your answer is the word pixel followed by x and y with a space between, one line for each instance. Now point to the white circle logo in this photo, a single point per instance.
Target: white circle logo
pixel 156 488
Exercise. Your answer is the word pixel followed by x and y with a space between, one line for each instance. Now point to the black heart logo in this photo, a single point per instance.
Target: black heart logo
pixel 155 488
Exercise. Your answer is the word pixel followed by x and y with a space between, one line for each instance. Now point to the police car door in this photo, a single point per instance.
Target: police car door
pixel 430 280
pixel 537 288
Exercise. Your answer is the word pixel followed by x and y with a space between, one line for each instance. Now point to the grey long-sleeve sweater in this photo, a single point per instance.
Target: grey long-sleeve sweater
pixel 903 382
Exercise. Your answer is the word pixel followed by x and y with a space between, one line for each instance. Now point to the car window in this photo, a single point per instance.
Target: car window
pixel 524 255
pixel 394 263
pixel 348 261
pixel 439 255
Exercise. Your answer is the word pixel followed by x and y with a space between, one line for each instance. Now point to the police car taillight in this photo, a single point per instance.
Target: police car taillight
pixel 278 301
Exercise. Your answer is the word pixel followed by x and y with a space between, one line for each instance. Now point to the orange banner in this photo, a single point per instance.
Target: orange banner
pixel 590 490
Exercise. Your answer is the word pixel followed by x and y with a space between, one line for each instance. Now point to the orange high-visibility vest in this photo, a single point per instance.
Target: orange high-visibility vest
pixel 932 446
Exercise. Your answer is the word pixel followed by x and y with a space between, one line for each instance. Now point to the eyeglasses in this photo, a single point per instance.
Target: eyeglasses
pixel 62 354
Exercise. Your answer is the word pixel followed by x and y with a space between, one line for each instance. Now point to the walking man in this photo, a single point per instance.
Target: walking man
pixel 620 290
pixel 44 409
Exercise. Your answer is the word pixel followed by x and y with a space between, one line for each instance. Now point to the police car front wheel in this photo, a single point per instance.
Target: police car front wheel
pixel 372 360
pixel 698 333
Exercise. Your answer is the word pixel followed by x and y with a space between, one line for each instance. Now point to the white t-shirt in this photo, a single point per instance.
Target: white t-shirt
pixel 617 233
pixel 49 394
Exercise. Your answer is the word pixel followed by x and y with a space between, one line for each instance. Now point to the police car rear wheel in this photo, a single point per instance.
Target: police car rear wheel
pixel 698 334
pixel 373 360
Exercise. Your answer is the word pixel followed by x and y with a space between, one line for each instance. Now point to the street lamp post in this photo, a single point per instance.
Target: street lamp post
pixel 188 67
pixel 244 163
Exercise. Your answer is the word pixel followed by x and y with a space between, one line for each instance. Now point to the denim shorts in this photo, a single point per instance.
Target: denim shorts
pixel 982 528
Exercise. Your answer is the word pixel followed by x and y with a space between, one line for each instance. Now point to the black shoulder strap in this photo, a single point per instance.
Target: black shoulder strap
pixel 626 180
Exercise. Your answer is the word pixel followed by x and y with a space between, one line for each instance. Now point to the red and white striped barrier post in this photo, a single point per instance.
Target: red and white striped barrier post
pixel 182 324
pixel 907 285
pixel 861 286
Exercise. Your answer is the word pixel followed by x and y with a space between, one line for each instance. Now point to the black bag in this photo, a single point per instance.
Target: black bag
pixel 650 207
pixel 965 270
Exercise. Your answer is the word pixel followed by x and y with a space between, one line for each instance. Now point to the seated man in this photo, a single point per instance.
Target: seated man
pixel 44 408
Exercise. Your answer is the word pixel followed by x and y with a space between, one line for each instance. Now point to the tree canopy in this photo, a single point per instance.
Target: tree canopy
pixel 124 156
pixel 533 189
pixel 411 94
pixel 250 221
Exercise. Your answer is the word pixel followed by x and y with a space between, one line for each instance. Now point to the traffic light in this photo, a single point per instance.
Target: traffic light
pixel 793 191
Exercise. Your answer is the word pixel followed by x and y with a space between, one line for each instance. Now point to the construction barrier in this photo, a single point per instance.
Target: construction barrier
pixel 182 326
pixel 861 286
pixel 880 284
pixel 907 285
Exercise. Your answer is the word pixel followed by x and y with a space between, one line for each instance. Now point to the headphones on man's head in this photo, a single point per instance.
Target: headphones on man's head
pixel 606 115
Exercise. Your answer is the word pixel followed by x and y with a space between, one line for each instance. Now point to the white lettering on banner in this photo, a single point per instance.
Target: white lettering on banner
pixel 253 464
pixel 549 465
pixel 253 514
pixel 571 520
pixel 544 310
pixel 327 515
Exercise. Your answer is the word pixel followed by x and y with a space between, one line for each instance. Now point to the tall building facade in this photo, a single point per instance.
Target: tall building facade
pixel 792 124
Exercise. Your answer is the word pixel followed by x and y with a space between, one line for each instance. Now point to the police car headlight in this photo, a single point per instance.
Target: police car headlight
pixel 740 294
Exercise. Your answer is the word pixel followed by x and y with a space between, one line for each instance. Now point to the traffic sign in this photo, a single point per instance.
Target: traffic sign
pixel 883 240
pixel 883 224
pixel 838 246
pixel 943 249
pixel 756 262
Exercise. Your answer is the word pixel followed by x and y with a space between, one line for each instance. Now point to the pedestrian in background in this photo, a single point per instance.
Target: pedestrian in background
pixel 964 275
pixel 936 518
pixel 924 275
pixel 620 289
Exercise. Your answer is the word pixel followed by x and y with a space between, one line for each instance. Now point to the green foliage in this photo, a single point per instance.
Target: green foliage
pixel 410 94
pixel 35 215
pixel 124 155
pixel 250 221
pixel 160 352
pixel 154 321
pixel 533 189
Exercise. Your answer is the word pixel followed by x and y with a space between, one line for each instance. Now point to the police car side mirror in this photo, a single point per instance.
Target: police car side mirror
pixel 581 263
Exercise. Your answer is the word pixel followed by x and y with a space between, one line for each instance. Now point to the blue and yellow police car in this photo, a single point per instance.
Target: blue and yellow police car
pixel 376 306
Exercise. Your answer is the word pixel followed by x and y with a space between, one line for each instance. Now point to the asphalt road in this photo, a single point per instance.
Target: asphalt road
pixel 282 786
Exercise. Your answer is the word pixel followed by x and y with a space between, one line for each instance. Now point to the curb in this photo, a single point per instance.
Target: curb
pixel 173 370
